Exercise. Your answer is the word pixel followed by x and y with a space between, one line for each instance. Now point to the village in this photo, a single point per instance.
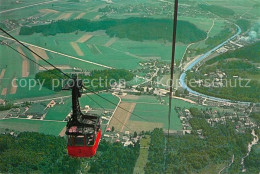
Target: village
pixel 239 116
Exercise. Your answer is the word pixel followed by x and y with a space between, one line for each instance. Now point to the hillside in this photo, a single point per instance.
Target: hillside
pixel 242 63
pixel 249 52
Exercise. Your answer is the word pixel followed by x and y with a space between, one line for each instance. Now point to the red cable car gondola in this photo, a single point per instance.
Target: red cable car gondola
pixel 83 131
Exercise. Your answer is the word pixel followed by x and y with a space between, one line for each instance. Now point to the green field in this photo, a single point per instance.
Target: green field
pixel 149 108
pixel 105 104
pixel 22 125
pixel 60 111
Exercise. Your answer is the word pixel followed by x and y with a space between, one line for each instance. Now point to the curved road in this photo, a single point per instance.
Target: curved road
pixel 198 60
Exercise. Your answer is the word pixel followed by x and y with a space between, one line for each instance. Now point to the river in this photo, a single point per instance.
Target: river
pixel 197 61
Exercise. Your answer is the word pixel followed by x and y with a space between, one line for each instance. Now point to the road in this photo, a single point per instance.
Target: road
pixel 62 54
pixel 249 147
pixel 212 26
pixel 148 80
pixel 14 9
pixel 232 161
pixel 197 61
pixel 114 111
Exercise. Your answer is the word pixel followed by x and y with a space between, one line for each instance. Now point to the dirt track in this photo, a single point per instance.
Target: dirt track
pixel 39 51
pixel 47 11
pixel 84 38
pixel 64 16
pixel 77 48
pixel 80 16
pixel 14 87
pixel 4 91
pixel 2 73
pixel 25 63
pixel 110 42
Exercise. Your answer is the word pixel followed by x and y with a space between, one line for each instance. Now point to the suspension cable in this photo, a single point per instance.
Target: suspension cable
pixel 23 55
pixel 64 73
pixel 34 52
pixel 112 117
pixel 172 62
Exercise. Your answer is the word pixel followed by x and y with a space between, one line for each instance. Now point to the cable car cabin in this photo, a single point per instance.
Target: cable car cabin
pixel 83 138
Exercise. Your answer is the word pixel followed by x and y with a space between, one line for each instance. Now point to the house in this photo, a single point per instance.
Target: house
pixel 127 143
pixel 51 104
pixel 186 132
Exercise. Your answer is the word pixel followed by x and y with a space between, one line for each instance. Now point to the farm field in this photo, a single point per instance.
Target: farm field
pixel 25 92
pixel 154 113
pixel 241 7
pixel 85 100
pixel 120 53
pixel 5 5
pixel 203 23
pixel 21 125
pixel 52 10
pixel 219 25
pixel 121 117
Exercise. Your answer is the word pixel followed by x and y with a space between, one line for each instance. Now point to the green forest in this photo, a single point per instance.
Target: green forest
pixel 35 153
pixel 244 24
pixel 38 153
pixel 114 158
pixel 137 29
pixel 97 80
pixel 194 153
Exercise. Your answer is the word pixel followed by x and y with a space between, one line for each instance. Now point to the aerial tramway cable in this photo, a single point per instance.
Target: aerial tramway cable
pixel 105 109
pixel 68 75
pixel 12 37
pixel 23 55
pixel 175 17
pixel 61 72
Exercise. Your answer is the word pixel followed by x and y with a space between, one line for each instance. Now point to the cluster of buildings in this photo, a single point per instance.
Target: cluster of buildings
pixel 35 20
pixel 32 111
pixel 190 11
pixel 185 115
pixel 146 9
pixel 10 24
pixel 125 138
pixel 232 45
pixel 150 67
pixel 240 117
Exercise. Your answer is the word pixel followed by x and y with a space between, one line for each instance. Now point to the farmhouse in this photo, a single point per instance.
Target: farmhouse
pixel 51 104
